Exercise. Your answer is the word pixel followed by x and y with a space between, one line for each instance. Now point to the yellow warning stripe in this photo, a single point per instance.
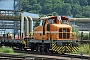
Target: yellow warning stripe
pixel 57 49
pixel 61 49
pixel 68 49
pixel 73 49
pixel 53 45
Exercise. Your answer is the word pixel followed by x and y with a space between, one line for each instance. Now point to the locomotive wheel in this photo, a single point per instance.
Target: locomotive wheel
pixel 32 47
pixel 37 47
pixel 46 49
pixel 20 47
pixel 40 49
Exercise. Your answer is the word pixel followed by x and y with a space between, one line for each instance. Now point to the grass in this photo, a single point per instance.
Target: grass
pixel 6 49
pixel 84 48
pixel 9 50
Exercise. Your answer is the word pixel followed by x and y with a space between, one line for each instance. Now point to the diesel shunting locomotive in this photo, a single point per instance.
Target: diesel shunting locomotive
pixel 54 34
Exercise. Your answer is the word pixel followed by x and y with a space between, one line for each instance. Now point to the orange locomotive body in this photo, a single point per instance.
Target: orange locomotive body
pixel 52 28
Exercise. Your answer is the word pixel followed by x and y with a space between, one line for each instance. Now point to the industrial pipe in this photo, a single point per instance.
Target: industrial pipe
pixel 30 24
pixel 26 26
pixel 22 24
pixel 79 19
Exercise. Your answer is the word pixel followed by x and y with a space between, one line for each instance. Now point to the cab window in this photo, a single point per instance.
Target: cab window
pixel 51 21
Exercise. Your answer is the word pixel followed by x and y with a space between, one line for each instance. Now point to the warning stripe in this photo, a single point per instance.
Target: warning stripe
pixel 68 49
pixel 75 48
pixel 63 49
pixel 53 47
pixel 59 49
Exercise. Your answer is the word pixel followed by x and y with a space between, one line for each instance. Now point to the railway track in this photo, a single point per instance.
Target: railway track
pixel 54 55
pixel 39 56
pixel 36 55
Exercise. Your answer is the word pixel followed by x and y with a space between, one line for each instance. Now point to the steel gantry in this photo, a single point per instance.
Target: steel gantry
pixel 24 23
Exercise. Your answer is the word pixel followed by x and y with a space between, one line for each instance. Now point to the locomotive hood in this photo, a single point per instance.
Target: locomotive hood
pixel 62 25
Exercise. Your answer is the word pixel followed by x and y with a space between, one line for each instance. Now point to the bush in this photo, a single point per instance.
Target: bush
pixel 76 30
pixel 84 48
pixel 6 49
pixel 85 36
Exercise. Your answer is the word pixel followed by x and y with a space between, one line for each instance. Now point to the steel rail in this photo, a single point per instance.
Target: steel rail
pixel 54 55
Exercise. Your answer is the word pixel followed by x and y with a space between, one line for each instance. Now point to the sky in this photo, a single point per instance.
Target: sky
pixel 8 5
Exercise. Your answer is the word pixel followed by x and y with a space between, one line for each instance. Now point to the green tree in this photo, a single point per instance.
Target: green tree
pixel 57 6
pixel 86 37
pixel 47 7
pixel 86 11
pixel 68 1
pixel 32 2
pixel 66 9
pixel 25 5
pixel 54 13
pixel 77 8
pixel 36 8
pixel 88 2
pixel 84 2
pixel 37 23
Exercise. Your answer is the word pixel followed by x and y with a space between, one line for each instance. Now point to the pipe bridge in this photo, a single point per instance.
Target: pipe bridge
pixel 21 22
pixel 10 15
